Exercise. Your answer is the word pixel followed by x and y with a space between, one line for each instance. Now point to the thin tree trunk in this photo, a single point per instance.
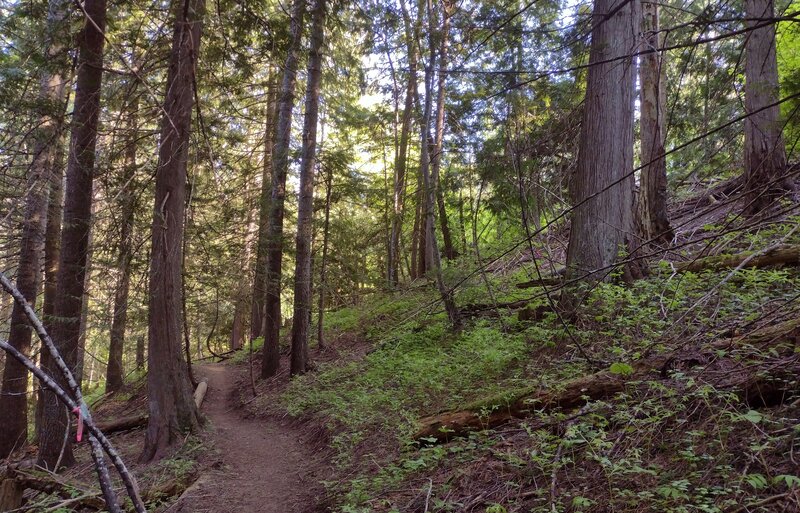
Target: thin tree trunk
pixel 427 181
pixel 652 201
pixel 324 263
pixel 172 409
pixel 52 253
pixel 127 202
pixel 413 269
pixel 140 353
pixel 401 158
pixel 602 222
pixel 280 167
pixel 260 274
pixel 305 206
pixel 764 151
pixel 73 260
pixel 422 231
pixel 449 251
pixel 241 304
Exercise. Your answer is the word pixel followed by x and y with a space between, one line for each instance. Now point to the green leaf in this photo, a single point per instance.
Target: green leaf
pixel 787 479
pixel 753 416
pixel 622 369
pixel 757 481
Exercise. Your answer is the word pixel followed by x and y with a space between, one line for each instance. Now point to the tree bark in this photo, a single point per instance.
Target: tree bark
pixel 602 188
pixel 66 325
pixel 127 204
pixel 401 158
pixel 653 194
pixel 782 255
pixel 243 291
pixel 260 274
pixel 305 205
pixel 764 150
pixel 280 167
pixel 13 394
pixel 427 180
pixel 172 410
pixel 52 253
pixel 323 283
pixel 447 239
pixel 44 180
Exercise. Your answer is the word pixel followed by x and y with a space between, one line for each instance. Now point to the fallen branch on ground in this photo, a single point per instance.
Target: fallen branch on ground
pixel 140 419
pixel 603 385
pixel 785 254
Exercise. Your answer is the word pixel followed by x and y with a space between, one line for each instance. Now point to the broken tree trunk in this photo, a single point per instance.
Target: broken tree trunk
pixel 785 254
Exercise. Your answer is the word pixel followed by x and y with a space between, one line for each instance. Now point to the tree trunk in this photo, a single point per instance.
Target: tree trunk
pixel 447 239
pixel 13 394
pixel 401 158
pixel 764 151
pixel 602 188
pixel 427 181
pixel 52 253
pixel 172 409
pixel 140 353
pixel 127 204
pixel 413 269
pixel 45 172
pixel 243 291
pixel 652 201
pixel 66 325
pixel 280 167
pixel 305 205
pixel 323 264
pixel 260 274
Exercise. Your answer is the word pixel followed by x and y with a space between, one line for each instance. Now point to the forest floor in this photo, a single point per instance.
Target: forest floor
pixel 265 465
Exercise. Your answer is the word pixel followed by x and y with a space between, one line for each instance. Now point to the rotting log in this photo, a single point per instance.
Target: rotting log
pixel 789 329
pixel 15 482
pixel 781 255
pixel 10 494
pixel 123 424
pixel 576 393
pixel 544 281
pixel 755 390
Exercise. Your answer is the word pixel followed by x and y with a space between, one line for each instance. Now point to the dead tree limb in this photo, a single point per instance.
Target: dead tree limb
pixel 96 437
pixel 781 255
pixel 605 384
pixel 576 393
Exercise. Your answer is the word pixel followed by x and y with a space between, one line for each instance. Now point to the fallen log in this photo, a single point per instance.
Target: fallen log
pixel 139 420
pixel 15 482
pixel 578 392
pixel 784 254
pixel 756 390
pixel 200 392
pixel 123 423
pixel 545 281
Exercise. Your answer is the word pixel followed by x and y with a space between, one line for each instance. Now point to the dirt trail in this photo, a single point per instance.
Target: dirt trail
pixel 265 468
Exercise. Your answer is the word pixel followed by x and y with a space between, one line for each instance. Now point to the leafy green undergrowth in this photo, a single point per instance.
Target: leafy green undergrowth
pixel 682 441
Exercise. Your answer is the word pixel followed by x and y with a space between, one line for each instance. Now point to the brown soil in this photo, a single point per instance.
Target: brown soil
pixel 265 466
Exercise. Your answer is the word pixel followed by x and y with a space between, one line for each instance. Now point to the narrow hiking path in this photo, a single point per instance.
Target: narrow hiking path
pixel 263 466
